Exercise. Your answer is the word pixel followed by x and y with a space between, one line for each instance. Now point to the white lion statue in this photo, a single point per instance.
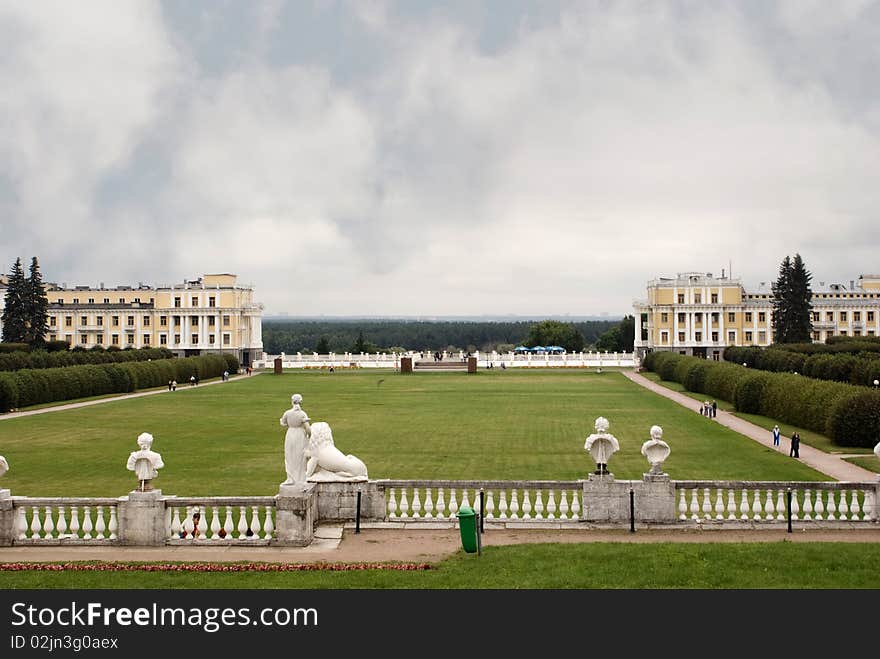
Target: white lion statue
pixel 328 463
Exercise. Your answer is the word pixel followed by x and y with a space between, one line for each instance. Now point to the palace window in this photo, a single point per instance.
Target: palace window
pixel 829 316
pixel 91 300
pixel 195 338
pixel 681 298
pixel 698 298
pixel 681 337
pixel 762 317
pixel 226 339
pixel 129 321
pixel 52 322
pixel 68 321
pixel 748 337
pixel 664 317
pixel 857 316
pixel 843 316
pixel 76 300
pixel 715 337
pixel 146 339
pixel 870 316
pixel 225 321
pixel 715 318
pixel 212 301
pixel 681 317
pixel 194 321
pixel 114 320
pixel 100 320
pixel 163 321
pixel 100 339
pixel 748 316
pixel 122 300
pixel 731 337
pixel 211 339
pixel 698 318
pixel 762 337
pixel 129 339
pixel 177 302
pixel 698 336
pixel 177 321
pixel 211 321
pixel 664 338
pixel 195 301
pixel 714 298
pixel 84 339
pixel 146 321
pixel 163 340
pixel 177 339
pixel 731 317
pixel 83 320
pixel 114 339
pixel 106 300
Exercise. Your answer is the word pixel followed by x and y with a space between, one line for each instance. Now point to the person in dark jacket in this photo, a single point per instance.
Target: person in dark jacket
pixel 795 445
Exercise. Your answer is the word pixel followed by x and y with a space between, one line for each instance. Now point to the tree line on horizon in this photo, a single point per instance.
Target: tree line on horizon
pixel 292 336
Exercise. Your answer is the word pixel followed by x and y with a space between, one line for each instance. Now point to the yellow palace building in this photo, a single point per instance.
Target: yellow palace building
pixel 210 314
pixel 699 314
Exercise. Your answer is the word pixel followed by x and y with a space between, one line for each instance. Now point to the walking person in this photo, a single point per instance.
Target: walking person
pixel 776 435
pixel 795 445
pixel 714 409
pixel 174 385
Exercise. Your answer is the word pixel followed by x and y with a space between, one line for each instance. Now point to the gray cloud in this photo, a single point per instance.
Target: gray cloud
pixel 390 158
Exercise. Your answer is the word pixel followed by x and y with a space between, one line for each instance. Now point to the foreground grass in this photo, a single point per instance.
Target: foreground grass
pixel 594 565
pixel 808 437
pixel 226 439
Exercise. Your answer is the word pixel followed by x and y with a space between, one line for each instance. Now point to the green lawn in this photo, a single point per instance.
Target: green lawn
pixel 808 437
pixel 869 462
pixel 226 439
pixel 588 565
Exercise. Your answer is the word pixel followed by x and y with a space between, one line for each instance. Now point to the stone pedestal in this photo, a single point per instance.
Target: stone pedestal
pixel 337 501
pixel 7 519
pixel 142 519
pixel 472 364
pixel 406 365
pixel 607 500
pixel 296 514
pixel 278 367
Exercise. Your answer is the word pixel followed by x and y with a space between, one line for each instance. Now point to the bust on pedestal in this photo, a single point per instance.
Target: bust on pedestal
pixel 656 450
pixel 601 445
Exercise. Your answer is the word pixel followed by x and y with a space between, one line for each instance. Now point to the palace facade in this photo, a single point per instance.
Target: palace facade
pixel 699 314
pixel 211 314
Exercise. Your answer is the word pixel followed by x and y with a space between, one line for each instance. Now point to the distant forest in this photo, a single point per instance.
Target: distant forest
pixel 291 336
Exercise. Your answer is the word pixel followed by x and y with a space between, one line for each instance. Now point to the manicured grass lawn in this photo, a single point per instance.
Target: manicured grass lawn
pixel 226 439
pixel 869 462
pixel 808 437
pixel 589 565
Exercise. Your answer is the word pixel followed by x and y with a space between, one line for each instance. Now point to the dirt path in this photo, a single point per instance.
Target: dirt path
pixel 829 464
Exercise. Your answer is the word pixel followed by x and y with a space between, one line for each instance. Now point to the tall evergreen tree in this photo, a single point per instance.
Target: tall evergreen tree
pixel 36 306
pixel 792 319
pixel 14 312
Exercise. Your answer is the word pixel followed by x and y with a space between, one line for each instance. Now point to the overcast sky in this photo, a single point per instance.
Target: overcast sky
pixel 439 158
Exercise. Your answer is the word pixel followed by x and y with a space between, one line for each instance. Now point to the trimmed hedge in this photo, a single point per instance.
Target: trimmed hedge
pixel 15 361
pixel 27 387
pixel 849 415
pixel 860 368
pixel 14 347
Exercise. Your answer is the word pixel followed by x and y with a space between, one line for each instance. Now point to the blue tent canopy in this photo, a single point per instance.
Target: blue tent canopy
pixel 521 349
pixel 539 349
pixel 555 349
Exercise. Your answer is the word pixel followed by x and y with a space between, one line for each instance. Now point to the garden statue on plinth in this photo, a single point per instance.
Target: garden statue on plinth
pixel 4 467
pixel 295 441
pixel 656 450
pixel 877 453
pixel 328 463
pixel 145 463
pixel 601 445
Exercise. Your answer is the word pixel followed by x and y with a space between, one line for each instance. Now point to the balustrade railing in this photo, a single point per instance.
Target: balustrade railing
pixel 55 520
pixel 503 501
pixel 220 520
pixel 768 501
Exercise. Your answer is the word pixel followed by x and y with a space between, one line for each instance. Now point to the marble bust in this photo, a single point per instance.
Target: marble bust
pixel 601 445
pixel 656 450
pixel 328 463
pixel 145 463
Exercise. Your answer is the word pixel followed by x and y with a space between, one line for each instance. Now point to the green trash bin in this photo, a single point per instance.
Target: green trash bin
pixel 467 524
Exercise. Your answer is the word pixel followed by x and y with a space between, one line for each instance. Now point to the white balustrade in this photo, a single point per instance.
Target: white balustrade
pixel 65 521
pixel 216 521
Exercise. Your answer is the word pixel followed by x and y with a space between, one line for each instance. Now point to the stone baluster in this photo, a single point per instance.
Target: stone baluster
pixel 854 505
pixel 870 506
pixel 392 504
pixel 242 523
pixel 440 504
pixel 563 505
pixel 780 506
pixel 769 506
pixel 255 523
pixel 707 504
pixel 429 504
pixel 682 506
pixel 502 504
pixel 21 524
pixel 228 525
pixel 416 504
pixel 114 523
pixel 695 505
pixel 175 524
pixel 514 505
pixel 551 506
pixel 74 522
pixel 808 505
pixel 48 524
pixel 819 508
pixel 795 505
pixel 842 507
pixel 490 505
pixel 830 506
pixel 539 505
pixel 453 504
pixel 100 526
pixel 202 526
pixel 268 524
pixel 62 522
pixel 756 505
pixel 526 506
pixel 744 505
pixel 404 504
pixel 464 498
pixel 719 504
pixel 731 505
pixel 215 523
pixel 168 522
pixel 576 504
pixel 188 524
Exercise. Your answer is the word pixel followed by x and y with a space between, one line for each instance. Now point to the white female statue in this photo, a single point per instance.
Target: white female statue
pixel 4 466
pixel 601 445
pixel 145 463
pixel 328 463
pixel 656 450
pixel 295 441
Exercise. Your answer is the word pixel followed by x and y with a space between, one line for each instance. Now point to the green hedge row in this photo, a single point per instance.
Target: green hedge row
pixel 47 385
pixel 861 368
pixel 15 361
pixel 849 415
